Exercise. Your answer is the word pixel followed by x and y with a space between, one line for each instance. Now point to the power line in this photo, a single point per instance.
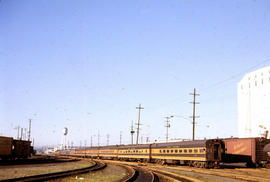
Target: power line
pixel 236 75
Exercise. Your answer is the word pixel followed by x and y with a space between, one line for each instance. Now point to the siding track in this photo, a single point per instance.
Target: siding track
pixel 62 174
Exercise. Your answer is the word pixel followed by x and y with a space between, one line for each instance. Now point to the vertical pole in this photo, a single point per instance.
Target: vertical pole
pixel 108 139
pixel 193 123
pixel 167 125
pixel 18 133
pixel 29 130
pixel 84 148
pixel 194 112
pixel 24 134
pixel 91 141
pixel 21 133
pixel 139 117
pixel 132 133
pixel 120 137
pixel 98 138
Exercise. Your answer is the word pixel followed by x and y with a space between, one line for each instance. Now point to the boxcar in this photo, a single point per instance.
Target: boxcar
pixel 5 147
pixel 266 149
pixel 22 149
pixel 248 150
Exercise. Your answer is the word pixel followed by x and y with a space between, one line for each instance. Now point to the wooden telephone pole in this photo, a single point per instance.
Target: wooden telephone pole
pixel 194 112
pixel 139 117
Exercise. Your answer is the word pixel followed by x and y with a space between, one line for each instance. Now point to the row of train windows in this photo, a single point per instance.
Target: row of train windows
pixel 182 151
pixel 132 151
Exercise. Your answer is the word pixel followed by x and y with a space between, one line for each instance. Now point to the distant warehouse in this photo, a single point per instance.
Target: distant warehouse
pixel 254 103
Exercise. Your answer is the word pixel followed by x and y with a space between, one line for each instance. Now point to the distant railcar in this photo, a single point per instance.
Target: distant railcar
pixel 6 147
pixel 14 149
pixel 266 149
pixel 248 150
pixel 22 149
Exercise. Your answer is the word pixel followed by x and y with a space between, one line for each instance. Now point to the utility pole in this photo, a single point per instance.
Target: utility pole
pixel 167 125
pixel 108 139
pixel 24 134
pixel 91 140
pixel 29 129
pixel 194 111
pixel 18 132
pixel 120 137
pixel 98 138
pixel 139 117
pixel 21 133
pixel 132 132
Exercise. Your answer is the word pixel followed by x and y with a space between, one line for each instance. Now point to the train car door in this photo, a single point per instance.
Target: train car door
pixel 150 152
pixel 214 150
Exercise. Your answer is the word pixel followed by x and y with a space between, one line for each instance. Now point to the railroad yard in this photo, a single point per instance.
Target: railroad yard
pixel 135 91
pixel 118 171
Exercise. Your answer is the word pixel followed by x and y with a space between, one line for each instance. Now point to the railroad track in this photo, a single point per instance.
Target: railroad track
pixel 35 161
pixel 142 175
pixel 203 173
pixel 62 174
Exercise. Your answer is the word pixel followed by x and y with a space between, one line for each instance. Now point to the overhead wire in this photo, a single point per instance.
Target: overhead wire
pixel 236 75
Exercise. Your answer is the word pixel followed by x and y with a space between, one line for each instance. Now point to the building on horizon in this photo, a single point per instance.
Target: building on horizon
pixel 254 103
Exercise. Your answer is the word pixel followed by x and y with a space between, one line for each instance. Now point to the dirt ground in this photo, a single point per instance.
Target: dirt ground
pixel 112 173
pixel 14 171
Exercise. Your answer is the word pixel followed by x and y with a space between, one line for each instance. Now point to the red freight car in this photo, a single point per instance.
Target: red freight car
pixel 249 150
pixel 14 149
pixel 266 149
pixel 22 149
pixel 5 147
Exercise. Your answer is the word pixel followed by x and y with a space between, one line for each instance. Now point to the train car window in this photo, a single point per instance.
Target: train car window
pixel 163 151
pixel 171 151
pixel 176 151
pixel 160 151
pixel 195 150
pixel 185 151
pixel 136 151
pixel 146 151
pixel 190 150
pixel 201 150
pixel 168 151
pixel 180 151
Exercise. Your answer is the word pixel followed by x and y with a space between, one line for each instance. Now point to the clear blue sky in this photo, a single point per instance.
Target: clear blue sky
pixel 86 65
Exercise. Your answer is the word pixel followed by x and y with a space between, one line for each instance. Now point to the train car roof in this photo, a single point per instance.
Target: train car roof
pixel 182 144
pixel 195 143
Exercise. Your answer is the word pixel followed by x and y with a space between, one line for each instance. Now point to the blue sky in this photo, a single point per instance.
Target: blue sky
pixel 86 65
